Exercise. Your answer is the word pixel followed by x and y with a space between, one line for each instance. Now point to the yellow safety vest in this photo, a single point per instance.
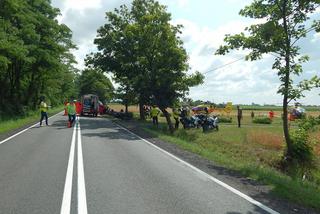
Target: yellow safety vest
pixel 154 112
pixel 43 107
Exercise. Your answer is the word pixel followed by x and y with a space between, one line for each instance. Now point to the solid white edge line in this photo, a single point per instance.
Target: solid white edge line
pixel 66 200
pixel 82 201
pixel 9 138
pixel 235 191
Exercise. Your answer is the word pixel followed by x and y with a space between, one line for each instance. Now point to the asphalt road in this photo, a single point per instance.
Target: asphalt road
pixel 98 167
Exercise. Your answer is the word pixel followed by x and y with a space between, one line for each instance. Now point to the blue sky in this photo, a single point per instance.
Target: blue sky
pixel 205 24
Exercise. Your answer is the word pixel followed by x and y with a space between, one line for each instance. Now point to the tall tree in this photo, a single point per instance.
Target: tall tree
pixel 285 23
pixel 92 81
pixel 34 54
pixel 140 44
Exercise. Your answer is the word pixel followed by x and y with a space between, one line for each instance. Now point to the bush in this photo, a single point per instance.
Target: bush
pixel 262 120
pixel 302 150
pixel 309 123
pixel 225 119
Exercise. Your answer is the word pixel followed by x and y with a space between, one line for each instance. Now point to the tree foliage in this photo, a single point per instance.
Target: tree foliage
pixel 34 55
pixel 284 23
pixel 95 82
pixel 144 52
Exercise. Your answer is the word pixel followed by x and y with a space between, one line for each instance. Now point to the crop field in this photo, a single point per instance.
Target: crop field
pixel 267 139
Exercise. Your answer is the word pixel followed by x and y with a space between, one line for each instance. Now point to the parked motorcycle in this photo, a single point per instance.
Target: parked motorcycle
pixel 210 123
pixel 190 122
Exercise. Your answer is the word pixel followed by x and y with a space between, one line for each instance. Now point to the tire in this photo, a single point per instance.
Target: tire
pixel 205 127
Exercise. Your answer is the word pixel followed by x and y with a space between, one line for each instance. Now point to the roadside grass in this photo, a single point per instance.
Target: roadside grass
pixel 256 160
pixel 254 150
pixel 32 117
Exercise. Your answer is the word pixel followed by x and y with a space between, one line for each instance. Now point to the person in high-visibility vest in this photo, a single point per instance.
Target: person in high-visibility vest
pixel 154 114
pixel 43 110
pixel 71 109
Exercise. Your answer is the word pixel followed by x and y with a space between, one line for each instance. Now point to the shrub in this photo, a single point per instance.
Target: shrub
pixel 302 150
pixel 262 120
pixel 309 123
pixel 225 119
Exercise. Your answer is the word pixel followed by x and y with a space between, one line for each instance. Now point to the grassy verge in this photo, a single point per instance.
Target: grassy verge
pixel 253 151
pixel 9 125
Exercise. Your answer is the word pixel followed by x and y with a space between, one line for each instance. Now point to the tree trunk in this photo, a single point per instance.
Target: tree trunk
pixel 286 84
pixel 141 110
pixel 166 114
pixel 285 113
pixel 126 105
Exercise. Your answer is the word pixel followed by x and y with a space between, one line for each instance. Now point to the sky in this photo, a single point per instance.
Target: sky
pixel 205 22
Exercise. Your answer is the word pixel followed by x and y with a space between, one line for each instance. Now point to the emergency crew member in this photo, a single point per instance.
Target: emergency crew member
pixel 43 110
pixel 154 114
pixel 71 109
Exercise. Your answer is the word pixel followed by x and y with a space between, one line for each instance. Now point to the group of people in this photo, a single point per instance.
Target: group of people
pixel 176 113
pixel 70 109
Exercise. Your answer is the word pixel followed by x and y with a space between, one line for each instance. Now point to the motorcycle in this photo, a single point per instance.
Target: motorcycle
pixel 190 122
pixel 210 123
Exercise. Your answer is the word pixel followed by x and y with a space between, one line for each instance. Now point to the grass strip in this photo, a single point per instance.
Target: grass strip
pixel 16 123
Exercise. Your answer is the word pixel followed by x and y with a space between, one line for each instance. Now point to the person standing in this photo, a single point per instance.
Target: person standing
pixel 154 114
pixel 239 115
pixel 252 115
pixel 71 109
pixel 43 110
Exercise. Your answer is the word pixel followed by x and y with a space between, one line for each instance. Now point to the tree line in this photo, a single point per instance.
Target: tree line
pixel 35 58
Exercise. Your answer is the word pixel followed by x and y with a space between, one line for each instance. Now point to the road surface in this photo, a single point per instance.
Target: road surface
pixel 98 167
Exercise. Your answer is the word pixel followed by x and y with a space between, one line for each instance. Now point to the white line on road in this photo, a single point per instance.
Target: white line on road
pixel 82 201
pixel 66 201
pixel 9 138
pixel 235 191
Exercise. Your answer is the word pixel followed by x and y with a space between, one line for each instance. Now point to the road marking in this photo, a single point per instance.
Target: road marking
pixel 66 201
pixel 9 138
pixel 235 191
pixel 82 201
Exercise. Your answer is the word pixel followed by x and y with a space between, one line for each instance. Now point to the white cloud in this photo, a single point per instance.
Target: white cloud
pixel 183 3
pixel 82 4
pixel 240 82
pixel 316 37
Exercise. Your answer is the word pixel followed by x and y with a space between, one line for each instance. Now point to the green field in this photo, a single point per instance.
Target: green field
pixel 255 150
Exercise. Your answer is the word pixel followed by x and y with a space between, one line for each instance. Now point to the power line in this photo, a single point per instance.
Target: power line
pixel 222 66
